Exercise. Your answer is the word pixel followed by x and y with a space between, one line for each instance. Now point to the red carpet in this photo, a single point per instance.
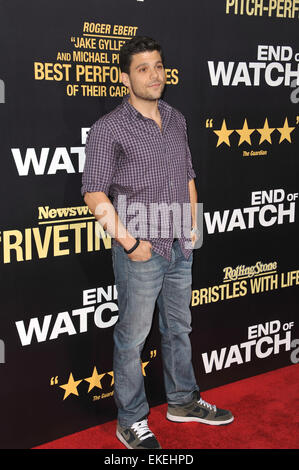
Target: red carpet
pixel 266 417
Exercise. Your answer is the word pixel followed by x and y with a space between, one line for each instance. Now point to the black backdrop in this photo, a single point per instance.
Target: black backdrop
pixel 230 68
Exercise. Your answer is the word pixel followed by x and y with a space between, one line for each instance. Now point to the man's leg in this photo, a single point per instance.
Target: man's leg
pixel 138 285
pixel 175 327
pixel 184 401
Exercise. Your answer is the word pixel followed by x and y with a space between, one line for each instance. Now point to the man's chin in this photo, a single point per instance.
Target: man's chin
pixel 156 94
pixel 151 95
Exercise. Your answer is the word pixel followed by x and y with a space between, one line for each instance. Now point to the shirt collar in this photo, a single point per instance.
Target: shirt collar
pixel 164 109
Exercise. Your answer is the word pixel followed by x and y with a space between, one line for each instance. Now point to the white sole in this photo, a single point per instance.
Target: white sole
pixel 124 442
pixel 188 419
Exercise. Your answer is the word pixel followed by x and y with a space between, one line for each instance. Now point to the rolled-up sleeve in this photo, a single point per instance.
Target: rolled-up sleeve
pixel 101 159
pixel 190 170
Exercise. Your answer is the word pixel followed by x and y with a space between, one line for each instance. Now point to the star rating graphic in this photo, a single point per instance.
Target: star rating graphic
pixel 246 132
pixel 94 381
pixel 71 386
pixel 223 134
pixel 266 132
pixel 285 131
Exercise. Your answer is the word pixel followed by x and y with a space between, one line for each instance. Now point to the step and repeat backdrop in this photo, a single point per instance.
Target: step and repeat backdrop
pixel 232 70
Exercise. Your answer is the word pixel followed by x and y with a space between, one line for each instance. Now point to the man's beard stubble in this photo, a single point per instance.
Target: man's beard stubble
pixel 147 96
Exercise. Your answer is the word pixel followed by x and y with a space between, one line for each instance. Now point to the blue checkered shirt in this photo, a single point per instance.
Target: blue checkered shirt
pixel 131 160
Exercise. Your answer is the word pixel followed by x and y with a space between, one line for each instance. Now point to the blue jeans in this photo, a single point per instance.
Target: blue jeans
pixel 139 285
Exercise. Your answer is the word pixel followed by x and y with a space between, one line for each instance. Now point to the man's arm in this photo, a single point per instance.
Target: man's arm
pixel 100 165
pixel 193 202
pixel 103 210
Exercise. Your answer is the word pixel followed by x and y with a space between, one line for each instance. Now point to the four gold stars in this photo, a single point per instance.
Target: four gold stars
pixel 245 133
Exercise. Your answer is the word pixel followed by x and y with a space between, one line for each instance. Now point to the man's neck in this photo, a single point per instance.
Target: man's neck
pixel 147 108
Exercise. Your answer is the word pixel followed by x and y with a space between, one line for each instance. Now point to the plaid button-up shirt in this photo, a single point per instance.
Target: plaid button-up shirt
pixel 132 160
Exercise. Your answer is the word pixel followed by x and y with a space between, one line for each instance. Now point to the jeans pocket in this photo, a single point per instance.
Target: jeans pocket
pixel 146 261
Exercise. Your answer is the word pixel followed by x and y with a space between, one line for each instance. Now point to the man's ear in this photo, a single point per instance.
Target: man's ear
pixel 125 79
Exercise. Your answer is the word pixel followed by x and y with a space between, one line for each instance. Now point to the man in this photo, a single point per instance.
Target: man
pixel 139 153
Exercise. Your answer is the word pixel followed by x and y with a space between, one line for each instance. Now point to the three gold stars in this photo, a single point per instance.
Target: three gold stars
pixel 245 133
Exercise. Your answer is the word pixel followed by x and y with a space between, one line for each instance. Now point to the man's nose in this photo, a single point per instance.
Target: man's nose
pixel 154 73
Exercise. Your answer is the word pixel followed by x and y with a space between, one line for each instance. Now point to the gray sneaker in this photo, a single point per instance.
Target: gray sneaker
pixel 137 436
pixel 200 411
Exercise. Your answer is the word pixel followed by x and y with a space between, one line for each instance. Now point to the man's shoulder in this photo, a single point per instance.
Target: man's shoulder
pixel 173 110
pixel 109 119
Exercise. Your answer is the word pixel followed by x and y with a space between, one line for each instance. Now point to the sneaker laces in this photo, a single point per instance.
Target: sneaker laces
pixel 142 430
pixel 207 405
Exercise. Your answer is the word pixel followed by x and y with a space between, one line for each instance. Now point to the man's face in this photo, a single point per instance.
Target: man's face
pixel 147 76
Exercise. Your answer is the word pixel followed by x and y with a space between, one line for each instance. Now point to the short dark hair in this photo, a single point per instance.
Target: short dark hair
pixel 134 46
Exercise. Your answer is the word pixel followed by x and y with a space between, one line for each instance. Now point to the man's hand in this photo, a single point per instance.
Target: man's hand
pixel 143 252
pixel 194 236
